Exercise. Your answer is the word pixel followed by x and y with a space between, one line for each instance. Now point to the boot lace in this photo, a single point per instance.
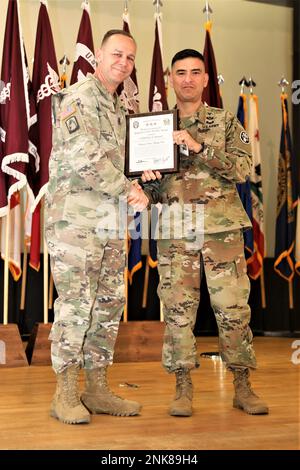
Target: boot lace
pixel 72 392
pixel 184 385
pixel 242 382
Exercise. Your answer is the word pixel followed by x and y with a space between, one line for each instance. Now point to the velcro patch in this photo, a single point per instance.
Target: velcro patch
pixel 72 124
pixel 244 137
pixel 68 111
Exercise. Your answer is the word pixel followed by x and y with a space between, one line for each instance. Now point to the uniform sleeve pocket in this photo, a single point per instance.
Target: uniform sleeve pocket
pixel 240 266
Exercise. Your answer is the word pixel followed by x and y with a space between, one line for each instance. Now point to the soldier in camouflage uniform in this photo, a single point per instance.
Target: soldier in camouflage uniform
pixel 86 180
pixel 217 158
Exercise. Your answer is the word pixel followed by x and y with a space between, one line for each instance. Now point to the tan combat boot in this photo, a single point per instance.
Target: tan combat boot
pixel 98 398
pixel 182 403
pixel 245 398
pixel 66 405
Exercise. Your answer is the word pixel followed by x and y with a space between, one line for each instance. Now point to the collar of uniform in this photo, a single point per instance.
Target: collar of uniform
pixel 199 116
pixel 111 101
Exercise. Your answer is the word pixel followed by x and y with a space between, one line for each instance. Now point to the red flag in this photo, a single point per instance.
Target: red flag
pixel 13 132
pixel 84 55
pixel 129 90
pixel 45 83
pixel 211 94
pixel 157 93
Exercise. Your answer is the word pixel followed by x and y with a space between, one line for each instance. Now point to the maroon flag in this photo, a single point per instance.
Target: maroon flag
pixel 45 83
pixel 14 111
pixel 129 90
pixel 211 94
pixel 84 55
pixel 129 95
pixel 157 101
pixel 157 93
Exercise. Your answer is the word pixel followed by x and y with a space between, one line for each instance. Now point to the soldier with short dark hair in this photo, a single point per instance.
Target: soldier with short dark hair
pixel 215 155
pixel 82 231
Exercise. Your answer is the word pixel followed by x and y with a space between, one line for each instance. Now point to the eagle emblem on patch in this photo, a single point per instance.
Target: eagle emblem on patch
pixel 244 137
pixel 72 124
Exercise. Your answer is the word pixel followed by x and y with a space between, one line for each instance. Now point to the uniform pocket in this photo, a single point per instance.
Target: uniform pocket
pixel 240 266
pixel 68 264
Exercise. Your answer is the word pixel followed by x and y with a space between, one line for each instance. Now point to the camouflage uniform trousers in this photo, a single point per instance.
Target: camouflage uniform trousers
pixel 222 258
pixel 89 277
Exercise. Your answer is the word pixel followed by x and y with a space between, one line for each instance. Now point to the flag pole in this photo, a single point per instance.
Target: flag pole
pixel 6 267
pixel 262 287
pixel 25 257
pixel 146 284
pixel 24 278
pixel 283 83
pixel 291 294
pixel 158 4
pixel 51 286
pixel 208 10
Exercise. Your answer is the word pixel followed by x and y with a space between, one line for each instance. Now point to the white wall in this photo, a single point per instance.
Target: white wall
pixel 248 38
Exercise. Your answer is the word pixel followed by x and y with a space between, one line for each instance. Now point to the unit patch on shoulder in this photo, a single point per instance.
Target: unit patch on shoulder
pixel 71 121
pixel 244 137
pixel 72 124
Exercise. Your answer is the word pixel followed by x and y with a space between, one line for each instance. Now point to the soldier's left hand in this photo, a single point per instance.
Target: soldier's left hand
pixel 183 137
pixel 149 175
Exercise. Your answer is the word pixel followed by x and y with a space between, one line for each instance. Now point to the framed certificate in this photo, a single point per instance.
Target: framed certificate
pixel 149 143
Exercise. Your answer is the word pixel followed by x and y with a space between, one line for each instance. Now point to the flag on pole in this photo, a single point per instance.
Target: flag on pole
pixel 129 95
pixel 286 201
pixel 157 93
pixel 45 83
pixel 211 94
pixel 129 90
pixel 32 154
pixel 14 253
pixel 85 61
pixel 297 246
pixel 157 102
pixel 14 111
pixel 244 189
pixel 255 264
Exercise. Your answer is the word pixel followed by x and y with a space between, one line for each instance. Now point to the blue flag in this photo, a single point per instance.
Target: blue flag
pixel 244 189
pixel 286 201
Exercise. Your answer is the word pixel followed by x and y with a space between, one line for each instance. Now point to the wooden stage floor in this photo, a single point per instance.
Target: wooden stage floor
pixel 26 394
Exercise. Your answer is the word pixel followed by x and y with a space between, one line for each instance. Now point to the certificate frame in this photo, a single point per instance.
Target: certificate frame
pixel 132 169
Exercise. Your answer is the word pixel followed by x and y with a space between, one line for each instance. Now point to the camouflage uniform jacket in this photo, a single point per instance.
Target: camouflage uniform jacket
pixel 210 177
pixel 86 167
